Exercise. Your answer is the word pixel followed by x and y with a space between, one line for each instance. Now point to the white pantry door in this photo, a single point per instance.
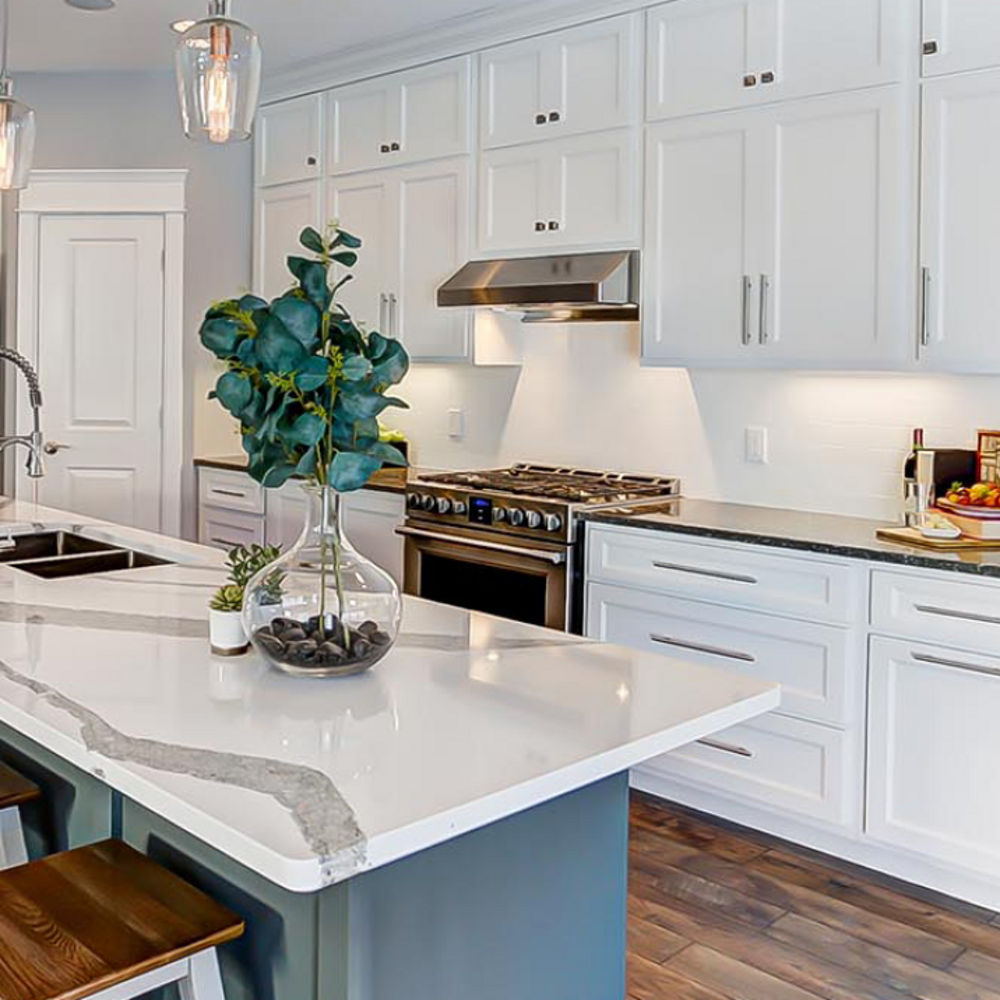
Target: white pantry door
pixel 100 359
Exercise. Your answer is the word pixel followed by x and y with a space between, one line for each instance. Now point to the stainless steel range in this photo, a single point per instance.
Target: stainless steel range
pixel 507 541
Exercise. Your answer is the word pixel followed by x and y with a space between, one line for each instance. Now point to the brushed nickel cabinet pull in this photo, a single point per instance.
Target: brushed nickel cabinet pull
pixel 310 161
pixel 553 225
pixel 541 119
pixel 395 147
pixel 925 307
pixel 765 288
pixel 539 227
pixel 715 574
pixel 384 148
pixel 223 541
pixel 698 647
pixel 229 493
pixel 726 747
pixel 767 76
pixel 745 320
pixel 940 661
pixel 383 306
pixel 750 80
pixel 965 616
pixel 393 314
pixel 555 116
pixel 930 47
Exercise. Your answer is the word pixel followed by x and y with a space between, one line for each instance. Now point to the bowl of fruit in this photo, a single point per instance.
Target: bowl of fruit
pixel 975 510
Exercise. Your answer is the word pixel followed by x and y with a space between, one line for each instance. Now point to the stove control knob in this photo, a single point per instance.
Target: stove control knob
pixel 458 507
pixel 443 505
pixel 428 502
pixel 412 500
pixel 553 522
pixel 533 519
pixel 515 516
pixel 499 514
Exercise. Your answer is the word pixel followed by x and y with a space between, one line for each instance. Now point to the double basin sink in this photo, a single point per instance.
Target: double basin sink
pixel 53 555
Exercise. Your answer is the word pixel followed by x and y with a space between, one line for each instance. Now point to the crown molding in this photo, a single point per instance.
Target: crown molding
pixel 53 191
pixel 467 33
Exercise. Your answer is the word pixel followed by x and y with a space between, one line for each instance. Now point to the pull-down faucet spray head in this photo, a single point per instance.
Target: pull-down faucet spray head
pixel 33 441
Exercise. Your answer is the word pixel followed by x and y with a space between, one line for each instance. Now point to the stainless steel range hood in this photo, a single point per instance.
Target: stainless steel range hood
pixel 595 287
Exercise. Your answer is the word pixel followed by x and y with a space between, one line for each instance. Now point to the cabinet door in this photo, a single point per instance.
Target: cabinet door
pixel 825 46
pixel 594 183
pixel 512 199
pixel 592 77
pixel 363 205
pixel 370 522
pixel 362 120
pixel 511 94
pixel 838 233
pixel 959 35
pixel 702 175
pixel 702 55
pixel 286 512
pixel 434 111
pixel 280 216
pixel 960 251
pixel 933 744
pixel 432 244
pixel 287 145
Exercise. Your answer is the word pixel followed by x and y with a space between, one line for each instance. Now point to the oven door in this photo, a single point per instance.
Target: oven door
pixel 524 582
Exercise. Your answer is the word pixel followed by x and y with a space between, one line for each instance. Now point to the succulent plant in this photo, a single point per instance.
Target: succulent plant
pixel 244 563
pixel 228 598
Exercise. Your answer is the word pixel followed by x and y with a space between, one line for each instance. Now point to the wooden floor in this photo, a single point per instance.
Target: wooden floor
pixel 717 912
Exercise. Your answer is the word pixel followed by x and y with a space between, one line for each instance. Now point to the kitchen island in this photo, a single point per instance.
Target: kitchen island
pixel 452 824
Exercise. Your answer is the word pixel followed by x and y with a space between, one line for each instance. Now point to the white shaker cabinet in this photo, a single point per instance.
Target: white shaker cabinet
pixel 581 191
pixel 583 79
pixel 280 215
pixel 933 744
pixel 288 144
pixel 286 515
pixel 370 519
pixel 960 35
pixel 406 117
pixel 711 55
pixel 960 220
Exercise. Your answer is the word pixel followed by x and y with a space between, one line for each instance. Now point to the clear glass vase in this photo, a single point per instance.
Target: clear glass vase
pixel 322 609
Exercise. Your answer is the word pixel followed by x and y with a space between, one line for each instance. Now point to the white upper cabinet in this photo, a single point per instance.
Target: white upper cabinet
pixel 960 35
pixel 414 224
pixel 584 79
pixel 288 145
pixel 419 114
pixel 760 253
pixel 960 220
pixel 711 55
pixel 281 213
pixel 581 191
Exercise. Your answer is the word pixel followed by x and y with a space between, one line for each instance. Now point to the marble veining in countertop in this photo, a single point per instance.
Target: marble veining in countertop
pixel 830 534
pixel 467 720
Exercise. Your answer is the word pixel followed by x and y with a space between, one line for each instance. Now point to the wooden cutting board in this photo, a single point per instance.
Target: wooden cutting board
pixel 910 536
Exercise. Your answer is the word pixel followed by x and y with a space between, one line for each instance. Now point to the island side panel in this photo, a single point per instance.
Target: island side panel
pixel 276 959
pixel 532 906
pixel 74 808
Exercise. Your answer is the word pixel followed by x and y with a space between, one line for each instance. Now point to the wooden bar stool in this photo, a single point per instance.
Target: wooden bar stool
pixel 15 790
pixel 104 921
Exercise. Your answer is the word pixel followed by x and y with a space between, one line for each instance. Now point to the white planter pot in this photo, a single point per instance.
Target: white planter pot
pixel 226 633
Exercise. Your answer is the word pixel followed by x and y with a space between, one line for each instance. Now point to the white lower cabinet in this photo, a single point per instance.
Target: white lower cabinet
pixel 370 521
pixel 933 748
pixel 226 529
pixel 286 513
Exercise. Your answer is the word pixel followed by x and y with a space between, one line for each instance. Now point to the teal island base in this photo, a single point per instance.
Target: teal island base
pixel 532 906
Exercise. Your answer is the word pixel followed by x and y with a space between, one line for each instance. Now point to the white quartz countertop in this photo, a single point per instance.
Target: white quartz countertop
pixel 468 720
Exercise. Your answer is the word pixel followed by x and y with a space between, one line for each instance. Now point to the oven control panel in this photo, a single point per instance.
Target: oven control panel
pixel 510 514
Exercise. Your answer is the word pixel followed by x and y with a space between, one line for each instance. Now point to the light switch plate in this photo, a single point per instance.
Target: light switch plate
pixel 456 424
pixel 756 445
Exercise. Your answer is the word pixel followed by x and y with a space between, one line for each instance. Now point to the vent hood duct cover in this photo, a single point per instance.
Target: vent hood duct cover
pixel 567 288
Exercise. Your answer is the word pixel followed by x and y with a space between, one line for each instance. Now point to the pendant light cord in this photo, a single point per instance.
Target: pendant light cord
pixel 6 33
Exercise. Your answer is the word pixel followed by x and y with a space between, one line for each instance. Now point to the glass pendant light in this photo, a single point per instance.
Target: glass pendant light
pixel 17 126
pixel 218 77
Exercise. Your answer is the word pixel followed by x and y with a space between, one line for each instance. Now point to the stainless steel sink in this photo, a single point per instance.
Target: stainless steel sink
pixel 54 555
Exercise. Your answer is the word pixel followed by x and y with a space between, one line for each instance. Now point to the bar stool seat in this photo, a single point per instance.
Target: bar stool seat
pixel 105 921
pixel 15 790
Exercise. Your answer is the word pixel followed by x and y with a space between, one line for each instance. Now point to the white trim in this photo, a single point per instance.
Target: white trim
pixel 114 192
pixel 463 35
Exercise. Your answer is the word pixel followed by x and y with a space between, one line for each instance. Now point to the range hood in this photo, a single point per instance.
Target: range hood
pixel 595 287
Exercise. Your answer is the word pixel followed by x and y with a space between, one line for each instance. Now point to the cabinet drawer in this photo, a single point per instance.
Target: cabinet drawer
pixel 231 490
pixel 955 613
pixel 225 529
pixel 735 576
pixel 780 763
pixel 810 662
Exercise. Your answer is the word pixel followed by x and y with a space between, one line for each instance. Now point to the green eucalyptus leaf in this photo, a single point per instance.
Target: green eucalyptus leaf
pixel 277 475
pixel 392 364
pixel 277 349
pixel 348 258
pixel 311 275
pixel 308 430
pixel 234 392
pixel 350 471
pixel 246 353
pixel 356 367
pixel 387 453
pixel 221 336
pixel 251 303
pixel 311 240
pixel 300 318
pixel 345 239
pixel 307 464
pixel 313 374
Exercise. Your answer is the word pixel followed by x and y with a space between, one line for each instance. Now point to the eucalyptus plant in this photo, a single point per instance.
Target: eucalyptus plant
pixel 306 383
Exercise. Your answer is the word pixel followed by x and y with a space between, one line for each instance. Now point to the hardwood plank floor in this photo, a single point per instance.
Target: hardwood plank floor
pixel 717 912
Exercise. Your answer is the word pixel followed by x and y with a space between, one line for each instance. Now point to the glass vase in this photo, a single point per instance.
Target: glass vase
pixel 322 609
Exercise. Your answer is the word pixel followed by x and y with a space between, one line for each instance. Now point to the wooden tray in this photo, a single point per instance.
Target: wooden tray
pixel 910 536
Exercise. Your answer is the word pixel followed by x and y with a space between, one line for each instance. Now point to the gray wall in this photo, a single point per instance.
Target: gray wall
pixel 131 120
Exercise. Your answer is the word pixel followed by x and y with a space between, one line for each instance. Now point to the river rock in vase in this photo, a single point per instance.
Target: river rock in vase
pixel 322 609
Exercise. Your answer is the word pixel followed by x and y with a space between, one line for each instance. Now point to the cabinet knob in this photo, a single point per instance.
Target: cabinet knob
pixel 767 76
pixel 539 227
pixel 384 148
pixel 553 225
pixel 930 47
pixel 554 116
pixel 394 147
pixel 750 80
pixel 310 161
pixel 540 119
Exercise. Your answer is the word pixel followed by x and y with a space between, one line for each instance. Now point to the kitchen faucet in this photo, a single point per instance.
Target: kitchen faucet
pixel 32 441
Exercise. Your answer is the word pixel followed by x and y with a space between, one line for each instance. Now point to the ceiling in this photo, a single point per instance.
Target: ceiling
pixel 49 36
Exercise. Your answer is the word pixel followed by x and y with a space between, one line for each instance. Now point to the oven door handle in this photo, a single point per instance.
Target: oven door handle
pixel 556 558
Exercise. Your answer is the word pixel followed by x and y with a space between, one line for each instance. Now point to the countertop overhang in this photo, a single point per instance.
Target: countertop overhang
pixel 468 720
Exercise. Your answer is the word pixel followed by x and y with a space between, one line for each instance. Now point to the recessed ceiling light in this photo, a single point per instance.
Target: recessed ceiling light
pixel 181 26
pixel 91 4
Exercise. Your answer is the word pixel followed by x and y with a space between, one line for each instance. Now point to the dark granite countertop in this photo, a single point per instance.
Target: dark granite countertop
pixel 388 480
pixel 829 534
